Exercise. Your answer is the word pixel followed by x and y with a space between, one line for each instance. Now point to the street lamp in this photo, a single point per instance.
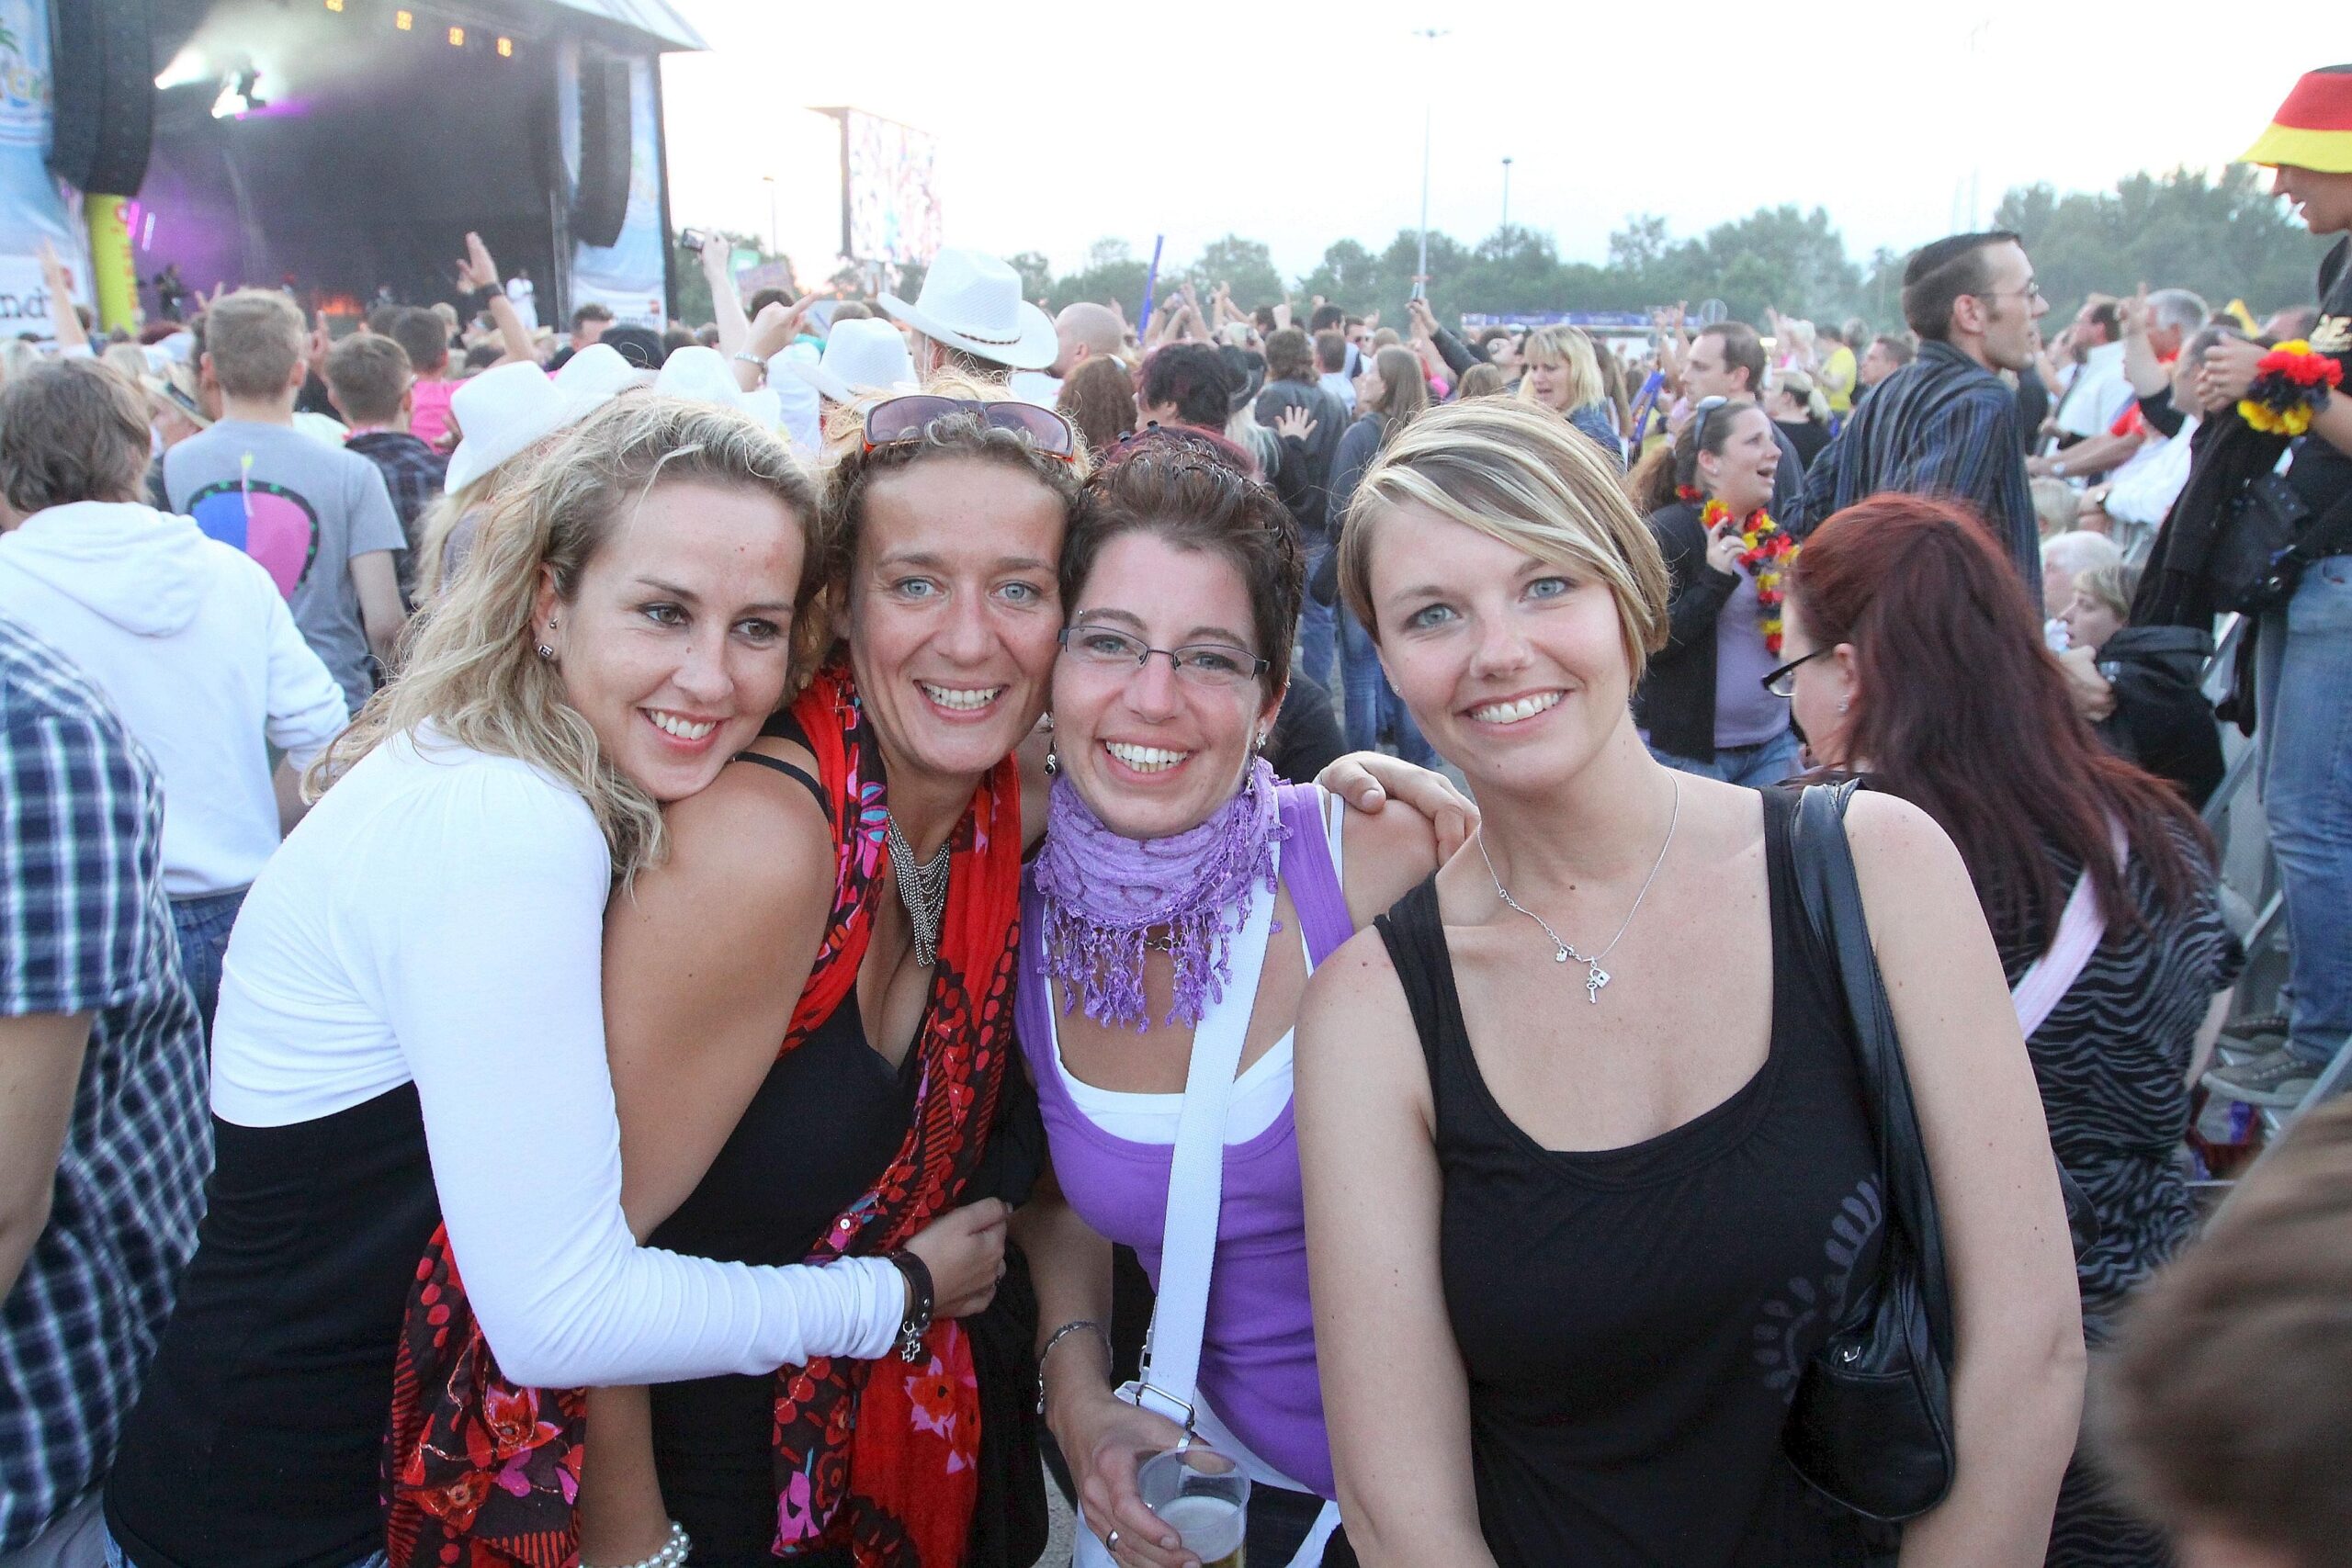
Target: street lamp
pixel 1506 190
pixel 1429 115
pixel 775 245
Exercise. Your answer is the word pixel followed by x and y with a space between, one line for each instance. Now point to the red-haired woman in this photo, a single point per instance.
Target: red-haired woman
pixel 1916 660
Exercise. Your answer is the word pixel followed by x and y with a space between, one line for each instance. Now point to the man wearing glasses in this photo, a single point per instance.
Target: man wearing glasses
pixel 1946 424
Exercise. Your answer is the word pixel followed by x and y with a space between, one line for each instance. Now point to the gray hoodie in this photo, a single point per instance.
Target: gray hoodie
pixel 190 640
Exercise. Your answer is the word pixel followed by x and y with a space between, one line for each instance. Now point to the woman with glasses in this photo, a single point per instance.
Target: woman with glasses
pixel 1706 496
pixel 1917 662
pixel 1180 902
pixel 1559 371
pixel 810 1038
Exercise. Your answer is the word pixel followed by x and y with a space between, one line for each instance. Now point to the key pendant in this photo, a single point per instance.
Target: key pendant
pixel 1595 978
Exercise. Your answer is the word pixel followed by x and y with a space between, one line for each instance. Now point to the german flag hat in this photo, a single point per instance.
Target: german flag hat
pixel 2312 130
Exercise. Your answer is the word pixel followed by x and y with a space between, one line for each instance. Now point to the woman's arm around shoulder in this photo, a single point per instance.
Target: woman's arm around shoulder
pixel 2018 1379
pixel 1383 856
pixel 705 958
pixel 1383 1343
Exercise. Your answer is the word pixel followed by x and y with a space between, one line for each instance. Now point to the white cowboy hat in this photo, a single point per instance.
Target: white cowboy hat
pixel 860 355
pixel 509 408
pixel 972 303
pixel 703 375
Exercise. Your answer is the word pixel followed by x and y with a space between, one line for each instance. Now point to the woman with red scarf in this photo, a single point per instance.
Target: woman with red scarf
pixel 809 1008
pixel 1700 706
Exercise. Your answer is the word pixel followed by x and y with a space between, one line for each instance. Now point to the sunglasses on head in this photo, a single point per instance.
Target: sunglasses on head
pixel 896 421
pixel 1700 412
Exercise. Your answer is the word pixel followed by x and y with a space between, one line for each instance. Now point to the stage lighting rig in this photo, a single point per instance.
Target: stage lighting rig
pixel 238 96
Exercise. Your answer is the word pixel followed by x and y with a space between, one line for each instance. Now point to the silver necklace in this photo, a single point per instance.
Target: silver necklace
pixel 923 888
pixel 1595 976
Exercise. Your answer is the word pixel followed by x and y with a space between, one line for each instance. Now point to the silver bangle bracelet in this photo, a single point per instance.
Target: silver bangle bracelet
pixel 672 1554
pixel 1064 1332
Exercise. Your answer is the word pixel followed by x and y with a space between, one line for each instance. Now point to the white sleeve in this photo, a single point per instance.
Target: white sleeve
pixel 307 706
pixel 491 930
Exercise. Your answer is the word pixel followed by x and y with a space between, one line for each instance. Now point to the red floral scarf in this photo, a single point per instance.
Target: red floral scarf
pixel 875 1455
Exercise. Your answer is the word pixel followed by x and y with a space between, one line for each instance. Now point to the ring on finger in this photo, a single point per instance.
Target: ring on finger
pixel 1111 1541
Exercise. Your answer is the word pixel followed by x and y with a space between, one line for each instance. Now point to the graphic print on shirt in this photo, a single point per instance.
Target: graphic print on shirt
pixel 275 525
pixel 1787 1319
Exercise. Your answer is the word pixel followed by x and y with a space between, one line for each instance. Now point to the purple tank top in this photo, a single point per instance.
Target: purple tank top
pixel 1257 1353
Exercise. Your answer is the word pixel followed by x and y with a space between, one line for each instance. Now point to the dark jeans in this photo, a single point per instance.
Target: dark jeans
pixel 203 923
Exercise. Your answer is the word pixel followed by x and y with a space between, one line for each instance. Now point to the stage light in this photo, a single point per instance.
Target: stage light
pixel 404 20
pixel 457 38
pixel 506 48
pixel 238 97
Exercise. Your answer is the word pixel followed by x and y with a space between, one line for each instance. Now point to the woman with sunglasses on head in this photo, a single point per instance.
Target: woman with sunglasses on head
pixel 1706 496
pixel 1917 662
pixel 810 1050
pixel 1589 1166
pixel 410 1036
pixel 1170 854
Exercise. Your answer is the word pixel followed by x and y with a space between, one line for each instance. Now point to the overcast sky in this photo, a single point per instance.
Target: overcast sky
pixel 1062 123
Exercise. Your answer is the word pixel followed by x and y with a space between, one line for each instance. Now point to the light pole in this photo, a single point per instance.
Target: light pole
pixel 775 243
pixel 1428 115
pixel 1506 190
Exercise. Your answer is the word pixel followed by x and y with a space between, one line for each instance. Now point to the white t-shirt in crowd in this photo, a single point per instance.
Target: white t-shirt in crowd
pixel 196 648
pixel 438 918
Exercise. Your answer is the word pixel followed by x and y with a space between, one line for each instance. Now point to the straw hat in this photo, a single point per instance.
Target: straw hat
pixel 867 355
pixel 972 303
pixel 508 408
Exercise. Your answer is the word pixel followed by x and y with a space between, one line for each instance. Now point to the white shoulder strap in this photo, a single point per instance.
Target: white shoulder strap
pixel 2080 929
pixel 1172 1359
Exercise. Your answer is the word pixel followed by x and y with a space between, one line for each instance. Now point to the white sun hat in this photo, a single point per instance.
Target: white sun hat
pixel 972 303
pixel 703 375
pixel 509 408
pixel 860 356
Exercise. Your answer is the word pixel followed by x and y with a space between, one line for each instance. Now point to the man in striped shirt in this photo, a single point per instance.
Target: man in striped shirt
pixel 1946 424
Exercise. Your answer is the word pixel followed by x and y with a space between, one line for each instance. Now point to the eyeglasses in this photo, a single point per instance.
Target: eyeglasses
pixel 1783 683
pixel 1700 412
pixel 896 421
pixel 2030 291
pixel 1210 665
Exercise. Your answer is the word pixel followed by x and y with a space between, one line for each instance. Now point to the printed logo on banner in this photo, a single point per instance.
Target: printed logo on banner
pixel 273 525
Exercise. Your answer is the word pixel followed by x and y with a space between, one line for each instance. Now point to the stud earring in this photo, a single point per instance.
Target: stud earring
pixel 543 651
pixel 1843 705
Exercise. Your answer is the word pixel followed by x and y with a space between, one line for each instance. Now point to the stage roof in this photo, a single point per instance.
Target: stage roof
pixel 655 18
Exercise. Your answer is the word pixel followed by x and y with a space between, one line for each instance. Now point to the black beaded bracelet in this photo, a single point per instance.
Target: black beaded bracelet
pixel 920 1301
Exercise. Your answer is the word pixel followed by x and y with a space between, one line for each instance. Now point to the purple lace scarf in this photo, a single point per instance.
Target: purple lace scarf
pixel 1104 895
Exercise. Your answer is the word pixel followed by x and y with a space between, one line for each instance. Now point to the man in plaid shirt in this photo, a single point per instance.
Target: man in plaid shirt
pixel 370 379
pixel 104 1135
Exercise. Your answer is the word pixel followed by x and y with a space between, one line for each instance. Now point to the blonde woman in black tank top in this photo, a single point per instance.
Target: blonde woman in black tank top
pixel 1588 1173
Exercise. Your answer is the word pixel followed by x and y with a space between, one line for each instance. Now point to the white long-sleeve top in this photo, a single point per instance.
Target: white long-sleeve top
pixel 439 918
pixel 194 646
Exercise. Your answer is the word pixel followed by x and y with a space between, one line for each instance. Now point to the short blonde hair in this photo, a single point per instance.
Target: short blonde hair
pixel 471 671
pixel 1565 346
pixel 1522 477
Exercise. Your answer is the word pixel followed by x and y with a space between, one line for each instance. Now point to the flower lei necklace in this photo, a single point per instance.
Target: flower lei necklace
pixel 1766 553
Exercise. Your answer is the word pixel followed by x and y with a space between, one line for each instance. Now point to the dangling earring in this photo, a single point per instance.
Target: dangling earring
pixel 1053 763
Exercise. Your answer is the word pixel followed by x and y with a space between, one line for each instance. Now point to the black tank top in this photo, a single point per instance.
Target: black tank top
pixel 1632 1320
pixel 821 1128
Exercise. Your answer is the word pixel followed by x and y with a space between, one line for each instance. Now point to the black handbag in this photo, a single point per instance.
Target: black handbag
pixel 1871 1425
pixel 2256 560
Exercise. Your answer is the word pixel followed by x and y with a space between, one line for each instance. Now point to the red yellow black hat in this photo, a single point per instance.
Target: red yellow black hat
pixel 2312 130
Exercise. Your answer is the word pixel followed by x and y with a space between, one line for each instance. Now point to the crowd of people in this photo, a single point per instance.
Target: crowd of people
pixel 1453 932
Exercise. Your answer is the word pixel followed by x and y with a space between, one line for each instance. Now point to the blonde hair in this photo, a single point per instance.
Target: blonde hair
pixel 471 671
pixel 255 340
pixel 449 508
pixel 1523 477
pixel 1565 346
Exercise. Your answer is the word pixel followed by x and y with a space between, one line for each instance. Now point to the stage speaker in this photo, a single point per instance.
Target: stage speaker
pixel 600 199
pixel 103 69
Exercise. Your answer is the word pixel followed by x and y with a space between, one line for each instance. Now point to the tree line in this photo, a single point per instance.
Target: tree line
pixel 2223 237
